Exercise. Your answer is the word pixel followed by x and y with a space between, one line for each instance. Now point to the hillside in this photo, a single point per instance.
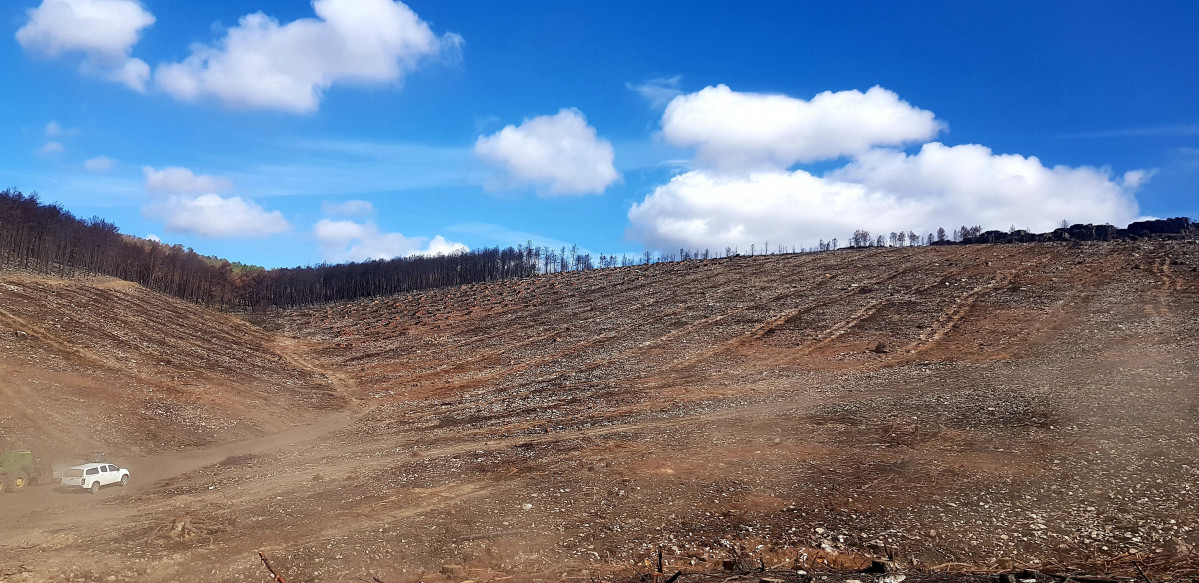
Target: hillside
pixel 965 407
pixel 103 365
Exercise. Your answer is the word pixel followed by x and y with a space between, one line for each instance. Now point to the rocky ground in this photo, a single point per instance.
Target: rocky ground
pixel 964 411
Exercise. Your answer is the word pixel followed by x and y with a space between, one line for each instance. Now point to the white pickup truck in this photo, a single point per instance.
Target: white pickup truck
pixel 94 476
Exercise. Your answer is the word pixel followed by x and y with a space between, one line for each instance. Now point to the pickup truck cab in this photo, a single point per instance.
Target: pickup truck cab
pixel 94 476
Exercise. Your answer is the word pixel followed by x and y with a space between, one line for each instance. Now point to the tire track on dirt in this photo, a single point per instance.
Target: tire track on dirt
pixel 759 332
pixel 1160 293
pixel 46 337
pixel 956 312
pixel 842 327
pixel 288 349
pixel 790 316
pixel 961 306
pixel 837 330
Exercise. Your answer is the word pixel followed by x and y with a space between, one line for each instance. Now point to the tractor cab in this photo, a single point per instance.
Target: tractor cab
pixel 18 469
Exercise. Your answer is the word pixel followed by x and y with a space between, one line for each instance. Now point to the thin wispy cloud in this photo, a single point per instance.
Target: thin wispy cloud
pixel 346 167
pixel 99 164
pixel 491 235
pixel 349 208
pixel 658 92
pixel 1145 132
pixel 54 129
pixel 1188 156
pixel 52 148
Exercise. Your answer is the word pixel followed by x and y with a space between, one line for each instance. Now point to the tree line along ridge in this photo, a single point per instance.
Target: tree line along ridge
pixel 46 238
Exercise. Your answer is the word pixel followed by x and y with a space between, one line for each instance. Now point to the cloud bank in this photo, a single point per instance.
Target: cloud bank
pixel 343 240
pixel 189 203
pixel 556 154
pixel 102 31
pixel 213 215
pixel 178 180
pixel 262 64
pixel 743 189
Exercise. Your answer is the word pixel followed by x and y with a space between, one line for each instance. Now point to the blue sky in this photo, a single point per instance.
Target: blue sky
pixel 487 123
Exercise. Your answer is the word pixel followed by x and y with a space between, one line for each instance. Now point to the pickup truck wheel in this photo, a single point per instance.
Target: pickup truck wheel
pixel 96 487
pixel 19 483
pixel 124 481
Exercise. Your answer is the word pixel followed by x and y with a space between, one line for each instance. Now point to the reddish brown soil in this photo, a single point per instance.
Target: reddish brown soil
pixel 1030 405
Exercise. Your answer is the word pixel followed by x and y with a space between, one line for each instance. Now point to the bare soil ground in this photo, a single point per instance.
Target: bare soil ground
pixel 964 409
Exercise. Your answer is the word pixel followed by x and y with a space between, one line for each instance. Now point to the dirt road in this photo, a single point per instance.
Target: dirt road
pixel 150 472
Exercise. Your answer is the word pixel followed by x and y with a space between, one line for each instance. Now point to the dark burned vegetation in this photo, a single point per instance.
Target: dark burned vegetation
pixel 45 238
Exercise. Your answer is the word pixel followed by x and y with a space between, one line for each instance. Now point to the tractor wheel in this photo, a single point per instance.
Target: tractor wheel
pixel 19 483
pixel 96 487
pixel 124 481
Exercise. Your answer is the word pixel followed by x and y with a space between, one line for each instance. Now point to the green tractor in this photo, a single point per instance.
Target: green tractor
pixel 19 469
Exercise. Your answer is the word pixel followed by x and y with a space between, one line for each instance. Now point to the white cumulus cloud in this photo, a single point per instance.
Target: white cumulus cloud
pixel 884 192
pixel 742 190
pixel 179 180
pixel 557 154
pixel 262 64
pixel 969 184
pixel 102 31
pixel 706 209
pixel 734 130
pixel 99 164
pixel 342 240
pixel 134 73
pixel 212 215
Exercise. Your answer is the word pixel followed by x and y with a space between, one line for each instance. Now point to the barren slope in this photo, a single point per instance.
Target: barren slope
pixel 1029 404
pixel 103 365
